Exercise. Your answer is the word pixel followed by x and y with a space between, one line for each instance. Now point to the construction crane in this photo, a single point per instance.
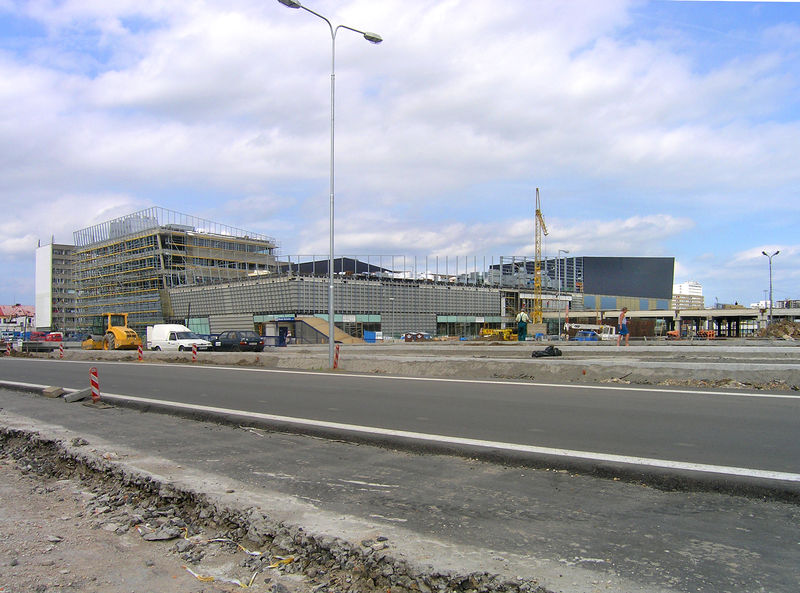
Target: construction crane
pixel 540 229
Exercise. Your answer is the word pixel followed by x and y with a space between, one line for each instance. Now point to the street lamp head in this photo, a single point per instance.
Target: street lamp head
pixel 291 3
pixel 764 253
pixel 371 37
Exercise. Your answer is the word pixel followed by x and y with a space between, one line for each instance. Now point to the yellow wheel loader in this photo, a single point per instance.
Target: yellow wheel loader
pixel 110 331
pixel 495 334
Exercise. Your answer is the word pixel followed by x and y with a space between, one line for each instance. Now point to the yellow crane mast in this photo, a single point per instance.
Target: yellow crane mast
pixel 540 229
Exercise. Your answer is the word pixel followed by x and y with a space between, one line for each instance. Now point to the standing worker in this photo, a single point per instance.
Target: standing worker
pixel 622 326
pixel 522 325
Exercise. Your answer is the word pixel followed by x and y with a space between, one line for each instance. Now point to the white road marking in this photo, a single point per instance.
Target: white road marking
pixel 361 483
pixel 395 519
pixel 451 440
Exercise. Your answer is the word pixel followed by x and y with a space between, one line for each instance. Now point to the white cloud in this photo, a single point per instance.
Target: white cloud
pixel 55 218
pixel 222 108
pixel 508 237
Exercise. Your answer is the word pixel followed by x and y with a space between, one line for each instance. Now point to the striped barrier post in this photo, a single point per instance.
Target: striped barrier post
pixel 336 357
pixel 61 350
pixel 139 353
pixel 194 352
pixel 8 348
pixel 95 383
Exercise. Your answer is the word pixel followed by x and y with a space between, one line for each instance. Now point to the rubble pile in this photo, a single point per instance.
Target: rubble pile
pixel 787 330
pixel 774 385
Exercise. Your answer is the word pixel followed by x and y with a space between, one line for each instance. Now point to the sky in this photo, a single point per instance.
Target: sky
pixel 651 128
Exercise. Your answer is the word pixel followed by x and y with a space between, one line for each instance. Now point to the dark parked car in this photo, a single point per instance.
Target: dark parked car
pixel 239 341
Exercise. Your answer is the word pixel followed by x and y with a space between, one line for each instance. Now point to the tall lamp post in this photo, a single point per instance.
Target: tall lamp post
pixel 769 257
pixel 391 300
pixel 372 38
pixel 558 274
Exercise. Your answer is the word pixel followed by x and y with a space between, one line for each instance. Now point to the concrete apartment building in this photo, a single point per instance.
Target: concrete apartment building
pixel 55 288
pixel 688 295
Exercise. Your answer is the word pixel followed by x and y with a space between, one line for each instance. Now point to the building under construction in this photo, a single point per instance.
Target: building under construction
pixel 454 296
pixel 159 266
pixel 130 263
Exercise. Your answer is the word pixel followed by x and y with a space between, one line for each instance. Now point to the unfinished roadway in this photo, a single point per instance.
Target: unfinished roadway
pixel 760 363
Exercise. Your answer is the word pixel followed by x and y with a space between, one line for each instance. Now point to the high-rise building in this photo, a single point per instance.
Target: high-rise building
pixel 687 295
pixel 55 289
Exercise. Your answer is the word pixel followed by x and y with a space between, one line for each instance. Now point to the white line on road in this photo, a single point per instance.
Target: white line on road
pixel 742 472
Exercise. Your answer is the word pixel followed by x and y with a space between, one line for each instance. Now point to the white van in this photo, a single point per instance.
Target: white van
pixel 173 336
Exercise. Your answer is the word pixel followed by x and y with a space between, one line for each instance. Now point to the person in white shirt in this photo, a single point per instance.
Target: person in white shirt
pixel 622 327
pixel 522 325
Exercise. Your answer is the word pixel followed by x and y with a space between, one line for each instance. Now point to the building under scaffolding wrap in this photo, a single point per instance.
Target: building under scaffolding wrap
pixel 128 264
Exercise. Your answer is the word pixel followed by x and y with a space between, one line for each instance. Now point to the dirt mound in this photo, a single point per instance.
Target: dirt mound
pixel 787 330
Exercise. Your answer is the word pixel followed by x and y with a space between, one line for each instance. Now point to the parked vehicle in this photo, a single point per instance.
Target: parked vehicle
pixel 54 337
pixel 173 336
pixel 586 335
pixel 416 336
pixel 110 331
pixel 603 332
pixel 239 341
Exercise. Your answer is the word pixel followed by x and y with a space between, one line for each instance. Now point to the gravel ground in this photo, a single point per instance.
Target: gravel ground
pixel 72 535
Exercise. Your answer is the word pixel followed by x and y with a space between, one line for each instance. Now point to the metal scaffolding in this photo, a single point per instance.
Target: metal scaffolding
pixel 128 264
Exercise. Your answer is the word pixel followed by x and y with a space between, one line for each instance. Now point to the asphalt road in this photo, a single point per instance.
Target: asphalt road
pixel 748 437
pixel 571 533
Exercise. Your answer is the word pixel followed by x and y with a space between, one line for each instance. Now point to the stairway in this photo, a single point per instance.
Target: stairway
pixel 321 325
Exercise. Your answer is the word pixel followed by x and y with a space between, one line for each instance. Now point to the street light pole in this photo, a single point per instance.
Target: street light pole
pixel 391 300
pixel 372 38
pixel 558 298
pixel 769 257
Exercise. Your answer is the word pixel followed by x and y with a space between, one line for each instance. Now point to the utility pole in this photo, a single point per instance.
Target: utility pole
pixel 769 257
pixel 558 297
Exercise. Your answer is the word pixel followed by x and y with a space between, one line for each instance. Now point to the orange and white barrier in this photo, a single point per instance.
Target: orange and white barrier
pixel 336 357
pixel 95 383
pixel 8 348
pixel 139 353
pixel 194 352
pixel 61 350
